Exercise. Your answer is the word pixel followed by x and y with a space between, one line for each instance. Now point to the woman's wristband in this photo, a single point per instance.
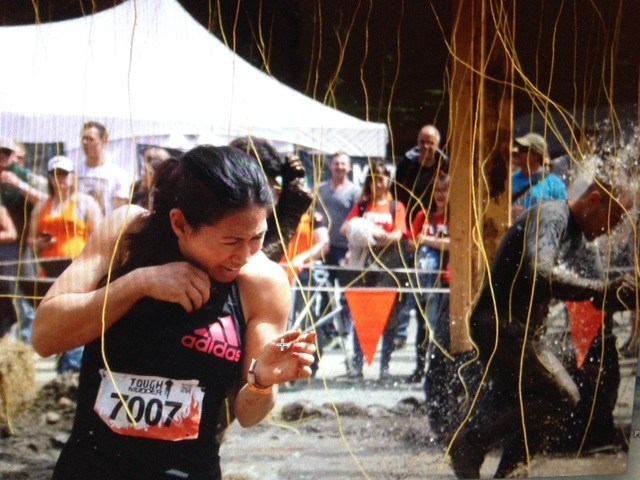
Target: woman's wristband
pixel 252 383
pixel 260 391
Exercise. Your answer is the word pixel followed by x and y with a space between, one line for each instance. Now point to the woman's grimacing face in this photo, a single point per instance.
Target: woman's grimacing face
pixel 223 248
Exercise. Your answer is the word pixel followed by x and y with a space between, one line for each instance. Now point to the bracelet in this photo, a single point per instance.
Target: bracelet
pixel 252 383
pixel 260 391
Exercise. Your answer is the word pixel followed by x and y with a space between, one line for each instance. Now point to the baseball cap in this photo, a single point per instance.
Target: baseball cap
pixel 60 162
pixel 8 144
pixel 533 141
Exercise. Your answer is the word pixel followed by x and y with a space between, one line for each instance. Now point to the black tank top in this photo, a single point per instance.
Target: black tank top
pixel 172 370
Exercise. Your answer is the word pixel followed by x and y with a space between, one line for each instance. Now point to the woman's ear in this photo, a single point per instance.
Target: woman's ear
pixel 179 224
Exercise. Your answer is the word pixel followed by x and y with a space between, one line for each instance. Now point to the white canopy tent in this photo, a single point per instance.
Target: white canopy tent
pixel 149 72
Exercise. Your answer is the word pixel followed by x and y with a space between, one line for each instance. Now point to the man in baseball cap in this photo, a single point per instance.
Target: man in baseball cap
pixel 533 184
pixel 7 145
pixel 533 141
pixel 20 190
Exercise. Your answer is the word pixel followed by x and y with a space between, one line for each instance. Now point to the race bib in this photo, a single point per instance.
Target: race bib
pixel 158 407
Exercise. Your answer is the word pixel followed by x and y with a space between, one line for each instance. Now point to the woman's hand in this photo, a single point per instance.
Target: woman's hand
pixel 286 358
pixel 381 239
pixel 178 282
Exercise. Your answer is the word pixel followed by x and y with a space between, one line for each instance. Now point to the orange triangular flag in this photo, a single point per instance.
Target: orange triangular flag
pixel 586 321
pixel 370 310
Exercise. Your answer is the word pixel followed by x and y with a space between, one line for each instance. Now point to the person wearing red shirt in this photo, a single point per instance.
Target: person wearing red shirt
pixel 430 240
pixel 383 226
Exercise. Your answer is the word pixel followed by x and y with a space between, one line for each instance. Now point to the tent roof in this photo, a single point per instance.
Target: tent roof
pixel 147 68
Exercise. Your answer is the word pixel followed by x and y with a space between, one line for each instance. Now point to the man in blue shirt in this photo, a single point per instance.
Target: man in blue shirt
pixel 533 184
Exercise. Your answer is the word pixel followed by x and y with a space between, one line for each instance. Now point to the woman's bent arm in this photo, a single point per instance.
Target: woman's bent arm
pixel 75 311
pixel 266 299
pixel 70 314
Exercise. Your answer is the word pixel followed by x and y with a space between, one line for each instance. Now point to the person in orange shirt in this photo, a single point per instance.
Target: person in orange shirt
pixel 309 243
pixel 61 225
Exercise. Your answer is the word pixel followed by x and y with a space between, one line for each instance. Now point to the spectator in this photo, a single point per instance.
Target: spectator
pixel 417 170
pixel 105 181
pixel 8 234
pixel 21 154
pixel 20 190
pixel 414 180
pixel 430 238
pixel 60 227
pixel 533 183
pixel 309 242
pixel 153 158
pixel 538 260
pixel 337 196
pixel 384 223
pixel 286 179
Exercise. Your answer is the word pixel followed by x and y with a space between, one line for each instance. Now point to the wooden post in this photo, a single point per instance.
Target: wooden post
pixel 480 144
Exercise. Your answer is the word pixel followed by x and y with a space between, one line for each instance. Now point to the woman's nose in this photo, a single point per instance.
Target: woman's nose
pixel 242 254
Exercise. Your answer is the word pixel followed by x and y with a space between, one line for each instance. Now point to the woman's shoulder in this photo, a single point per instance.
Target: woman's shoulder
pixel 261 272
pixel 123 220
pixel 265 292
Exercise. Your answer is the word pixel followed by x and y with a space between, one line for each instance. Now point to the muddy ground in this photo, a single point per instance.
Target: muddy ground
pixel 301 440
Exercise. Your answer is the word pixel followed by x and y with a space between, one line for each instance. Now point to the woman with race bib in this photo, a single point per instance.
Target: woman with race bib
pixel 174 307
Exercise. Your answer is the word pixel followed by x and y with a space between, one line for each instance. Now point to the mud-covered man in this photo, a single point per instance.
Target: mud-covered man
pixel 542 257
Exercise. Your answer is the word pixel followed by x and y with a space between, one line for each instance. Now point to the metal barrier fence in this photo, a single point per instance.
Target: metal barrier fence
pixel 323 294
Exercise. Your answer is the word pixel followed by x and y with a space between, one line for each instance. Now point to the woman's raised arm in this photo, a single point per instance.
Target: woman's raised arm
pixel 70 314
pixel 75 310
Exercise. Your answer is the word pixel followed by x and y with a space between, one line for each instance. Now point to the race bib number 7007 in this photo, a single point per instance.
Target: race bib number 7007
pixel 156 407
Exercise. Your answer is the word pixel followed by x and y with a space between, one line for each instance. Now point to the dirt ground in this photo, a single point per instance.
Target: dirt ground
pixel 300 440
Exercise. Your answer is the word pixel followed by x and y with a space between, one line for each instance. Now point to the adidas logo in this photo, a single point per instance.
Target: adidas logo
pixel 219 340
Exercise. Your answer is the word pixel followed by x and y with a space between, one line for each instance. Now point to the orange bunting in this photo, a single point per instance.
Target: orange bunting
pixel 370 310
pixel 586 322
